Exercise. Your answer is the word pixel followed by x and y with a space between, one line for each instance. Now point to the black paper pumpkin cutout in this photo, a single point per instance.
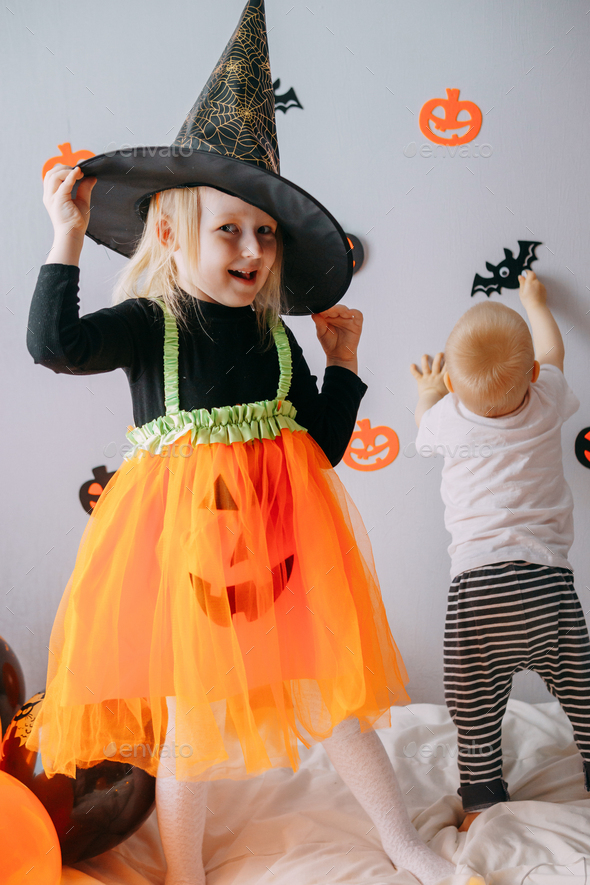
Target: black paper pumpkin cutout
pixel 582 447
pixel 91 491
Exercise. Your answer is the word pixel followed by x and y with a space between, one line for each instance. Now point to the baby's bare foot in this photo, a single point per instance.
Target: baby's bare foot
pixel 468 820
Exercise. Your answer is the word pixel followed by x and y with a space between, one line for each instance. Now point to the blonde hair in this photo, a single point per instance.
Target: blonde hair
pixel 489 357
pixel 152 273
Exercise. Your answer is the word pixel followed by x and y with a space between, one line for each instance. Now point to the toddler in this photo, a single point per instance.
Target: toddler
pixel 512 604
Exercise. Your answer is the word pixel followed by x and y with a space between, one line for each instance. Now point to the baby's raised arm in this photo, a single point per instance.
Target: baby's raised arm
pixel 545 331
pixel 69 217
pixel 431 385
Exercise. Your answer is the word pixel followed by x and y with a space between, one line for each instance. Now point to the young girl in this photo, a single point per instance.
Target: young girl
pixel 223 603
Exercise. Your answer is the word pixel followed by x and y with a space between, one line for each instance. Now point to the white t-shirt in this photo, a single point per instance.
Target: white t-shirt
pixel 503 486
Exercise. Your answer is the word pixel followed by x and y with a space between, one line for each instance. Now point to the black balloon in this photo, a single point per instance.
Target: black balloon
pixel 92 812
pixel 12 684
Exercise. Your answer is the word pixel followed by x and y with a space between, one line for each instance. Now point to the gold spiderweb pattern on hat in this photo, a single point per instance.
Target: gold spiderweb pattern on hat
pixel 235 113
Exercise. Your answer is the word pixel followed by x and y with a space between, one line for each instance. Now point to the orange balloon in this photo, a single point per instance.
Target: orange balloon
pixel 29 847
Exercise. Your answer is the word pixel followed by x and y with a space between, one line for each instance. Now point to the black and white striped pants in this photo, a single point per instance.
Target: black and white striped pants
pixel 503 618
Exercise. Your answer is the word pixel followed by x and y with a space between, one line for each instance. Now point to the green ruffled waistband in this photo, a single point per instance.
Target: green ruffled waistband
pixel 226 425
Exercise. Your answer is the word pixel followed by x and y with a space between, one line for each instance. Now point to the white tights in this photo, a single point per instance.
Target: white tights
pixel 364 766
pixel 181 810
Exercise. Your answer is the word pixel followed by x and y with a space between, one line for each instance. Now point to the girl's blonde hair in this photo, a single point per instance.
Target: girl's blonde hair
pixel 489 357
pixel 152 273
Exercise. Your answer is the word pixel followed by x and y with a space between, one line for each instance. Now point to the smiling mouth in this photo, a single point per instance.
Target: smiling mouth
pixel 244 274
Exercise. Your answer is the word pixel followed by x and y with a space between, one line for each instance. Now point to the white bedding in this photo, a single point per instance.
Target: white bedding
pixel 306 828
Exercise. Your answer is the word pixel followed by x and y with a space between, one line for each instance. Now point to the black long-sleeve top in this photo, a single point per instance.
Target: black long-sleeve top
pixel 221 359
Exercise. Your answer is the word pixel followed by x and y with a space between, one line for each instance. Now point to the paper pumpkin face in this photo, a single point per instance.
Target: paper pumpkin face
pixel 366 456
pixel 223 528
pixel 358 252
pixel 582 447
pixel 91 490
pixel 452 107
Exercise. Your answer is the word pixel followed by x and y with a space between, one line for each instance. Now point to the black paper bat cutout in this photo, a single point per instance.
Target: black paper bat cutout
pixel 287 100
pixel 507 272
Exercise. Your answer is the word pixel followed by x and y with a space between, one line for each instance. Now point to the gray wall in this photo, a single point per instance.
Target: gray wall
pixel 114 74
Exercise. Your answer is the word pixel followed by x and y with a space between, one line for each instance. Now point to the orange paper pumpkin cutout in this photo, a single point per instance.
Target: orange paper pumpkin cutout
pixel 67 157
pixel 452 108
pixel 223 528
pixel 366 456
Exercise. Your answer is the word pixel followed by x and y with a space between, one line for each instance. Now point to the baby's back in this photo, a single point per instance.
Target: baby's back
pixel 503 485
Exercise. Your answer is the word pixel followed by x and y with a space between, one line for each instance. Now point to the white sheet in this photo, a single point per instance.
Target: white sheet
pixel 306 828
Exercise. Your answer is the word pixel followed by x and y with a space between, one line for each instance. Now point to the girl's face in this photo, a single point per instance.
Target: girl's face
pixel 237 248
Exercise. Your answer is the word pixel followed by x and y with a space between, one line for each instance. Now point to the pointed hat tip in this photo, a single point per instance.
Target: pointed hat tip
pixel 234 115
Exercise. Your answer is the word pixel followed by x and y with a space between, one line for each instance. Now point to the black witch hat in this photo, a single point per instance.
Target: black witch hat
pixel 228 141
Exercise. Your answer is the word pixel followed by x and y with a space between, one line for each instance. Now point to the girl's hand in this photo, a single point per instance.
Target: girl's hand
pixel 532 291
pixel 69 217
pixel 430 378
pixel 339 330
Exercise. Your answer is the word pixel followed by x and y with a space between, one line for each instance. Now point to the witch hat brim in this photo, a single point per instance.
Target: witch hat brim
pixel 228 141
pixel 317 264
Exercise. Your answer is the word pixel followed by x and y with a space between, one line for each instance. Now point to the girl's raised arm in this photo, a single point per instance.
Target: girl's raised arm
pixel 57 337
pixel 69 217
pixel 60 339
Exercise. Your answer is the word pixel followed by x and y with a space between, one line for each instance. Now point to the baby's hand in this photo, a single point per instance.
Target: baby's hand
pixel 532 291
pixel 430 378
pixel 69 217
pixel 339 330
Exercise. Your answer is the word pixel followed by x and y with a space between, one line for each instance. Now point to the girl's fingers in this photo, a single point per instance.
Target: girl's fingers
pixel 70 180
pixel 59 179
pixel 54 178
pixel 340 311
pixel 61 173
pixel 415 371
pixel 337 310
pixel 320 323
pixel 425 364
pixel 64 209
pixel 85 186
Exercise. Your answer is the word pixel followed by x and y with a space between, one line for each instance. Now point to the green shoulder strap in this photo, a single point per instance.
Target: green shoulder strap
pixel 171 397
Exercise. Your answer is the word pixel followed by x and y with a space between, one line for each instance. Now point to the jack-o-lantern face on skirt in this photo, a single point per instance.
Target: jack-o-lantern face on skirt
pixel 224 528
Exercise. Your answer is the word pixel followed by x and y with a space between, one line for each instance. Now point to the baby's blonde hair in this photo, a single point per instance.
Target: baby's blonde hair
pixel 152 273
pixel 489 357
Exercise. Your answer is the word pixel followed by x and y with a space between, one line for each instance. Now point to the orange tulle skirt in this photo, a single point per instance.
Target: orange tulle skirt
pixel 237 579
